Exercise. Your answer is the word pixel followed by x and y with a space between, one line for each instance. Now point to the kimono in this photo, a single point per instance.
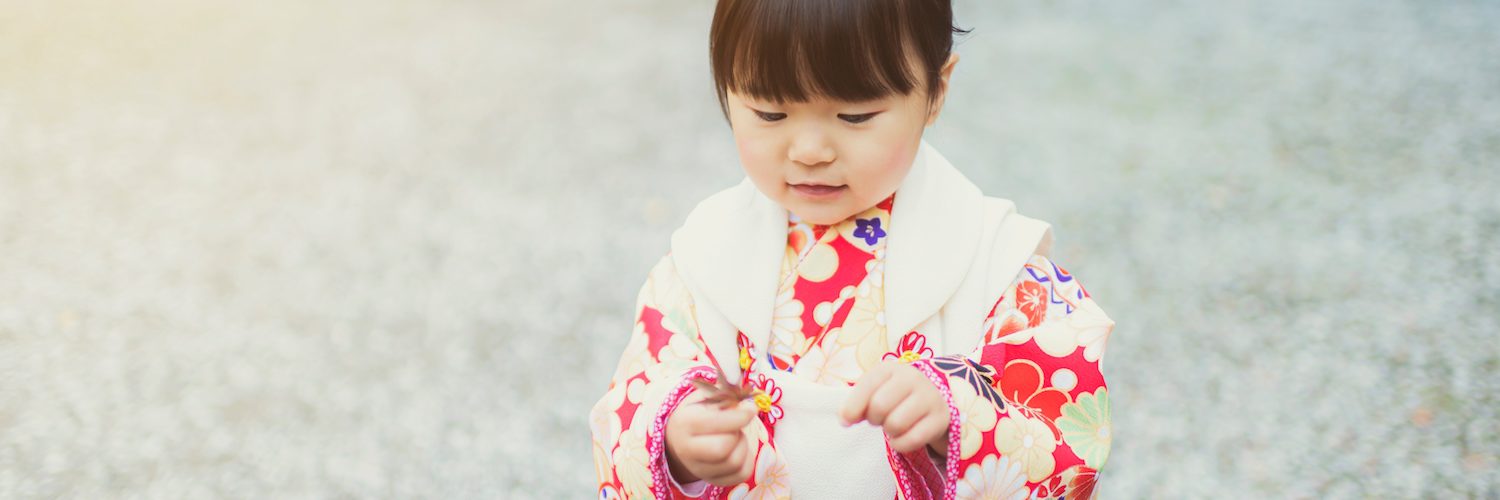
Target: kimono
pixel 937 276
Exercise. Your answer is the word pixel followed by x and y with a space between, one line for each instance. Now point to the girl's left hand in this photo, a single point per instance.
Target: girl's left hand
pixel 899 398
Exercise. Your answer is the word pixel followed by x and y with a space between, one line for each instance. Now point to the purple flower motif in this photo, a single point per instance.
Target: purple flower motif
pixel 869 229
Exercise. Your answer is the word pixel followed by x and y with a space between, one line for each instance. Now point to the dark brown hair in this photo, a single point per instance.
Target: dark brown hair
pixel 848 50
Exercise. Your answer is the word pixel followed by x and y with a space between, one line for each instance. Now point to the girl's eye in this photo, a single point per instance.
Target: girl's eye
pixel 770 117
pixel 857 118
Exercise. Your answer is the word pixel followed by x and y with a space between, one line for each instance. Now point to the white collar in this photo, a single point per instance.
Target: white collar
pixel 731 246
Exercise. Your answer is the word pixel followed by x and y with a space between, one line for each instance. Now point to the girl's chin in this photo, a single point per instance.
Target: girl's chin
pixel 822 215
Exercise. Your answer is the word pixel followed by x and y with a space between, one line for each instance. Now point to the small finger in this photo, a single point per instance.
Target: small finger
pixel 732 471
pixel 713 448
pixel 683 421
pixel 885 400
pixel 747 467
pixel 904 416
pixel 725 421
pixel 926 430
pixel 712 472
pixel 854 407
pixel 716 473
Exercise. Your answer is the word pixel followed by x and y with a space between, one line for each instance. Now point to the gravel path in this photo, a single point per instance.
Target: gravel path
pixel 388 249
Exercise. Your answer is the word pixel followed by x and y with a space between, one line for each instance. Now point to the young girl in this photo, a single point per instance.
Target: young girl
pixel 900 334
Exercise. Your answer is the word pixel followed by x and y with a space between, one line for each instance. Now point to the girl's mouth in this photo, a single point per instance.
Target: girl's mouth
pixel 817 192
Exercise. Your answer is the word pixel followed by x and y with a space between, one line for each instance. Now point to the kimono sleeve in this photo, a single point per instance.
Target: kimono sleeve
pixel 664 353
pixel 1033 417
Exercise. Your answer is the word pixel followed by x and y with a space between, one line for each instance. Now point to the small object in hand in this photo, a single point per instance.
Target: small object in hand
pixel 722 393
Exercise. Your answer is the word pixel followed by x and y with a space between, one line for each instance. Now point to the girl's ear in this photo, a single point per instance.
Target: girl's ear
pixel 943 75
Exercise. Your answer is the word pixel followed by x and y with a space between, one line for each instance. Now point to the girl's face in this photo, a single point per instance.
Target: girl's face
pixel 827 160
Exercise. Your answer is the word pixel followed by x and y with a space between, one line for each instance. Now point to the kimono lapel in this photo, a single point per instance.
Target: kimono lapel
pixel 935 232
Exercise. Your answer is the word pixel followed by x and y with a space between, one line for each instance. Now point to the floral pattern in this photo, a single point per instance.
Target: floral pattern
pixel 913 347
pixel 1024 385
pixel 1043 343
pixel 1030 442
pixel 767 399
pixel 747 352
pixel 976 423
pixel 994 478
pixel 1030 410
pixel 1086 425
pixel 869 230
pixel 1054 487
pixel 1080 481
pixel 771 484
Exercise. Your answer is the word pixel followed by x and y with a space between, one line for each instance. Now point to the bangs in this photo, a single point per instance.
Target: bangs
pixel 848 50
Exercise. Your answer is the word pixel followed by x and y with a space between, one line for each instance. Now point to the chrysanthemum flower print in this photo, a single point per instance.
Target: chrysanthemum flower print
pixel 786 328
pixel 1031 300
pixel 875 269
pixel 680 352
pixel 864 330
pixel 771 482
pixel 995 478
pixel 632 466
pixel 976 422
pixel 1028 441
pixel 1085 426
pixel 786 319
pixel 830 364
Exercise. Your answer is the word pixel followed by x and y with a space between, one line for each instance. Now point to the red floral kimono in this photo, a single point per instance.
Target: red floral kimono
pixel 1029 410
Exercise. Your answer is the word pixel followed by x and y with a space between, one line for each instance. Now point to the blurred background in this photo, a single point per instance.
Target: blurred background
pixel 339 249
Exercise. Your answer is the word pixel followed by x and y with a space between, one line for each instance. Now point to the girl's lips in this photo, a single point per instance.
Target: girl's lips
pixel 818 192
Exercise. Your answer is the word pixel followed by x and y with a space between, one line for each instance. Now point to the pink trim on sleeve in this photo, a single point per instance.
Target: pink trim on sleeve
pixel 916 475
pixel 662 482
pixel 901 467
pixel 955 429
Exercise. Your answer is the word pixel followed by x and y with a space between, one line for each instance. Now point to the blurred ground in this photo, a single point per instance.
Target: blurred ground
pixel 389 249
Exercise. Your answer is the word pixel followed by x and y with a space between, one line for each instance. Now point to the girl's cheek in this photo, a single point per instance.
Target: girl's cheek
pixel 898 159
pixel 750 152
pixel 758 158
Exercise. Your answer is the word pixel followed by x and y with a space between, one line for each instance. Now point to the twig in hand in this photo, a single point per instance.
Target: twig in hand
pixel 722 393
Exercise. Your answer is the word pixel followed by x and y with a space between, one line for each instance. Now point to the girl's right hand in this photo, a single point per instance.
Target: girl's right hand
pixel 705 442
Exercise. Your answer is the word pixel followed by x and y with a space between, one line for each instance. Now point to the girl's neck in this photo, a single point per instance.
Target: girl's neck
pixel 885 205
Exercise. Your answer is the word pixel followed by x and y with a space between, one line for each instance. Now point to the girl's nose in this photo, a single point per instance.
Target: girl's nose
pixel 811 148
